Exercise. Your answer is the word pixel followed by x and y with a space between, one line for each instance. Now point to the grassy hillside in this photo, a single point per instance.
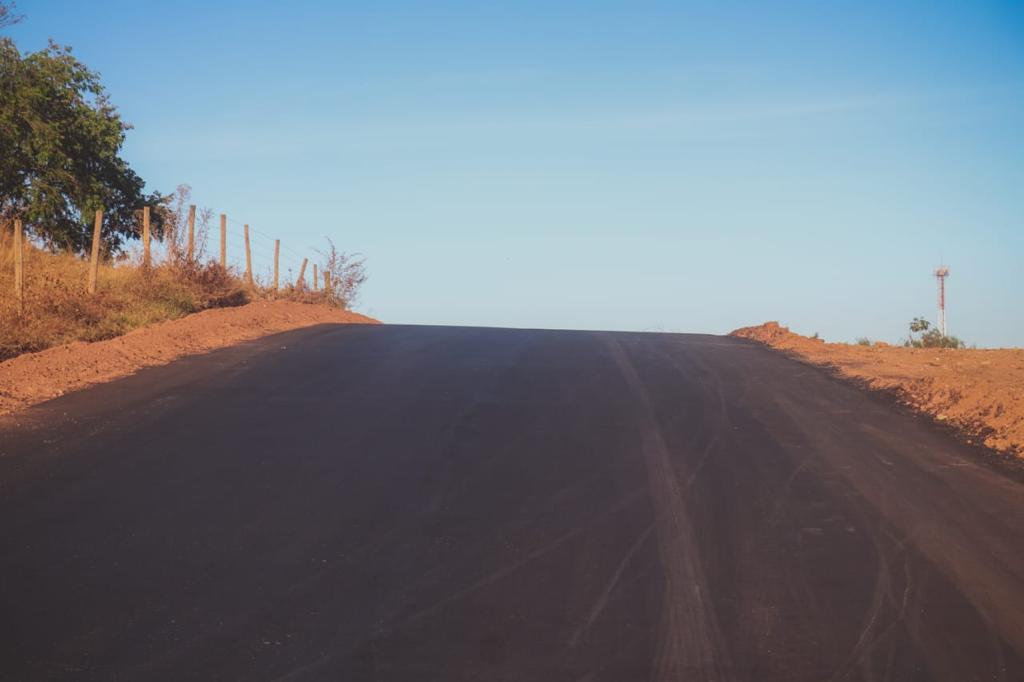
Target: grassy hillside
pixel 58 309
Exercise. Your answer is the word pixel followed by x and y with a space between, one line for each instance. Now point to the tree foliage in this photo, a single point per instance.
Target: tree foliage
pixel 61 139
pixel 919 324
pixel 930 337
pixel 7 15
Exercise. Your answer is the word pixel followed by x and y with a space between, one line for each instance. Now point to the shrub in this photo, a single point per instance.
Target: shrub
pixel 930 336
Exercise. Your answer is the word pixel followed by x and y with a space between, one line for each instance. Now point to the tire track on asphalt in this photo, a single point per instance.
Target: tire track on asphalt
pixel 602 601
pixel 690 643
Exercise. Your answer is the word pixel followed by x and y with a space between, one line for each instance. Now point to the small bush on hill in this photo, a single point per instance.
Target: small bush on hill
pixel 930 337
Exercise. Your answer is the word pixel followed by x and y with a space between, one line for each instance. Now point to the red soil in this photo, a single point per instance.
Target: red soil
pixel 35 377
pixel 980 392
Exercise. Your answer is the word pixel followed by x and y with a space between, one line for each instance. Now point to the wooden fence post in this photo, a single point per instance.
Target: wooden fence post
pixel 248 260
pixel 223 241
pixel 19 266
pixel 94 257
pixel 170 238
pixel 300 283
pixel 316 278
pixel 146 260
pixel 277 259
pixel 191 232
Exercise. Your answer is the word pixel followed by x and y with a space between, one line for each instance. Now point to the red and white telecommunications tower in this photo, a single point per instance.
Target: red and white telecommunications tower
pixel 941 273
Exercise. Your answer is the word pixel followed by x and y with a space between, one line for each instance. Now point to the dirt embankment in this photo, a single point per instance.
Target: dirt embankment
pixel 980 392
pixel 34 377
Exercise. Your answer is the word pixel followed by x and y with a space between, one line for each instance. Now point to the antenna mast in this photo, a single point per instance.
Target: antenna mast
pixel 941 273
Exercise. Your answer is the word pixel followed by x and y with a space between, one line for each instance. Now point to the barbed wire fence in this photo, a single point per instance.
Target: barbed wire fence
pixel 263 262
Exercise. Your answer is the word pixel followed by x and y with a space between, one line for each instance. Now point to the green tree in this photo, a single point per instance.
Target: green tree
pixel 936 339
pixel 61 138
pixel 919 324
pixel 930 336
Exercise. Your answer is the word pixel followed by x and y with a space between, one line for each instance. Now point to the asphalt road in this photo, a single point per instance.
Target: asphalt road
pixel 421 503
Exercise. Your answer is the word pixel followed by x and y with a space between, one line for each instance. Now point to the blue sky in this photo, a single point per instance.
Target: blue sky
pixel 628 165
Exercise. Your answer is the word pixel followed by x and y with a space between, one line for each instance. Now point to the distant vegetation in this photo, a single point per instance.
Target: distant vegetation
pixel 929 337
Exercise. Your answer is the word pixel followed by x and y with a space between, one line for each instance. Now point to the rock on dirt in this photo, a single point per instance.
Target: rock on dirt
pixel 979 392
pixel 35 377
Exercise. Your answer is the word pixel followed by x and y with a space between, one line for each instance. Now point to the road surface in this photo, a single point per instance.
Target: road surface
pixel 423 503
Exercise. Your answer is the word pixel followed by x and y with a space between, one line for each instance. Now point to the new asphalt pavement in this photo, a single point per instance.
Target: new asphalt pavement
pixel 431 503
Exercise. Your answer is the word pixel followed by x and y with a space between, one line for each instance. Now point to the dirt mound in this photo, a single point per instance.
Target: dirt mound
pixel 980 392
pixel 774 334
pixel 35 377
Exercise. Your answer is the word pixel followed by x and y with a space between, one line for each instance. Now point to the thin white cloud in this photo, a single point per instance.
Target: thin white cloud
pixel 319 134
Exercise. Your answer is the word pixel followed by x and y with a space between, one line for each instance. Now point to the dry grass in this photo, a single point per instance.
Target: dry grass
pixel 58 310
